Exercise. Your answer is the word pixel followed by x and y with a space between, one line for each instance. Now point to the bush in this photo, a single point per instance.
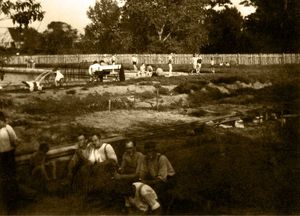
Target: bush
pixel 230 80
pixel 146 95
pixel 164 91
pixel 71 91
pixel 186 87
pixel 200 97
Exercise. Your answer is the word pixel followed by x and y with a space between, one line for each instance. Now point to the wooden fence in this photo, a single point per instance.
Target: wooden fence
pixel 233 59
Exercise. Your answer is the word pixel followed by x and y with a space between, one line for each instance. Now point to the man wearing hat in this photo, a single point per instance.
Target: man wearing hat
pixel 157 171
pixel 156 167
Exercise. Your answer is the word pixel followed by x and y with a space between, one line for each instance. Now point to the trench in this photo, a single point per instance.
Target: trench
pixel 251 170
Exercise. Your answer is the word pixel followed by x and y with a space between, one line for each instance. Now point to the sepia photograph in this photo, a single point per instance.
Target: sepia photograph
pixel 149 107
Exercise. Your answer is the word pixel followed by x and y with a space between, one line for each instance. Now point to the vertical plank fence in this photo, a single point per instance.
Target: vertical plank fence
pixel 233 59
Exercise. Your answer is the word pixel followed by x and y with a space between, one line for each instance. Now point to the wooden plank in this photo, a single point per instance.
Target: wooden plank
pixel 110 67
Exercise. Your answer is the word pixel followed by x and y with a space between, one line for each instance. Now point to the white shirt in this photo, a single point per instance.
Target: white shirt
pixel 170 58
pixel 93 68
pixel 98 154
pixel 58 76
pixel 144 198
pixel 7 134
pixel 194 60
pixel 113 59
pixel 134 59
pixel 143 68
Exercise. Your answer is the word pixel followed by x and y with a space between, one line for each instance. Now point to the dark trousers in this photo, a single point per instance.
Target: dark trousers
pixel 101 74
pixel 8 183
pixel 163 190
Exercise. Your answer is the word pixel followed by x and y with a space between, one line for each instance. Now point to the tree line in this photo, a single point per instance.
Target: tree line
pixel 164 26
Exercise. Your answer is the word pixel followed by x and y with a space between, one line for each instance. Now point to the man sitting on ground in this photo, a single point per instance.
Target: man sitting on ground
pixel 157 171
pixel 140 199
pixel 59 77
pixel 101 151
pixel 131 163
pixel 38 162
pixel 101 155
pixel 79 159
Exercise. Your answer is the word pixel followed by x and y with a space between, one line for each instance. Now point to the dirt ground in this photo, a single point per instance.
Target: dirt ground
pixel 235 170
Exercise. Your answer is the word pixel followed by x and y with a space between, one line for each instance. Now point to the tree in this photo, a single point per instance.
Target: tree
pixel 224 31
pixel 103 34
pixel 167 23
pixel 22 12
pixel 275 26
pixel 33 41
pixel 60 38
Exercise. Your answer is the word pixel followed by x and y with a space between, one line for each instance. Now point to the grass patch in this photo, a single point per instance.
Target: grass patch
pixel 235 171
pixel 73 105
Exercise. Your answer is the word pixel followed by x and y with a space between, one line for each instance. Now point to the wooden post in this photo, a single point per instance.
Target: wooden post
pixel 109 105
pixel 157 94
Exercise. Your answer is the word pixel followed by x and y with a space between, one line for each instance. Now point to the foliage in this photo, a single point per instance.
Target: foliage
pixel 33 41
pixel 22 12
pixel 165 25
pixel 275 26
pixel 187 87
pixel 103 34
pixel 59 38
pixel 164 91
pixel 146 26
pixel 224 31
pixel 230 80
pixel 146 95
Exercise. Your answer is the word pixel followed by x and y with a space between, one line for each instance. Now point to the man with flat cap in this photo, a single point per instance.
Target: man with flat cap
pixel 157 171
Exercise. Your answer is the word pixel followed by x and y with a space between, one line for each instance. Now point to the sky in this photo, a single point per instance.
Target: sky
pixel 73 12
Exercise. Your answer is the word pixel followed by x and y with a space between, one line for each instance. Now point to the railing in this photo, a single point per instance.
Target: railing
pixel 239 59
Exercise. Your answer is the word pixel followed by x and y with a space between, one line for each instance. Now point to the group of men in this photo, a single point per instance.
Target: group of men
pixel 196 63
pixel 146 178
pixel 147 69
pixel 95 72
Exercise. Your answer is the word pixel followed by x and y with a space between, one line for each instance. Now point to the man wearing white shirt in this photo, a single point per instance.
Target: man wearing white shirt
pixel 95 67
pixel 170 63
pixel 101 151
pixel 58 77
pixel 134 60
pixel 141 198
pixel 8 183
pixel 194 62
